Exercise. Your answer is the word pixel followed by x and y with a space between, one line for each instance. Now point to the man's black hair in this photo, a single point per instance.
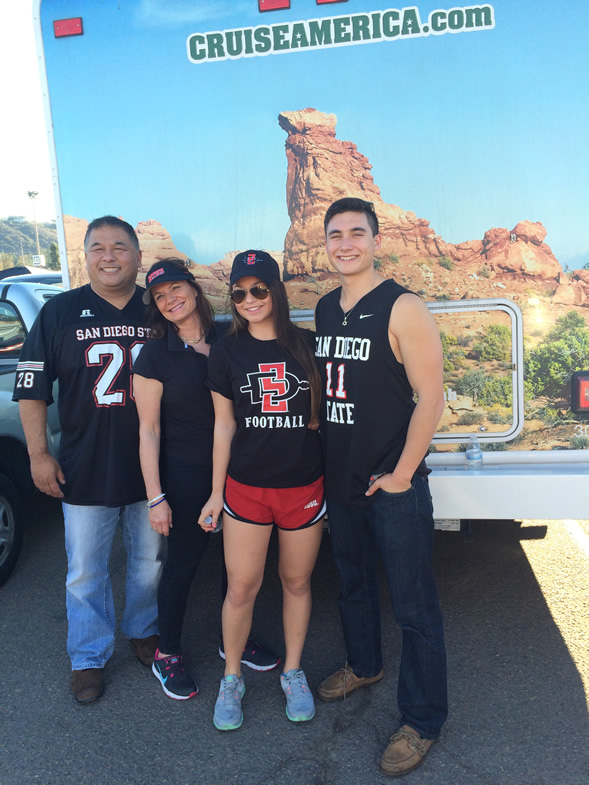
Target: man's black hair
pixel 112 220
pixel 350 204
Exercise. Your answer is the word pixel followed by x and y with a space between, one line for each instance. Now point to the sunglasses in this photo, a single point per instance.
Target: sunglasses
pixel 258 291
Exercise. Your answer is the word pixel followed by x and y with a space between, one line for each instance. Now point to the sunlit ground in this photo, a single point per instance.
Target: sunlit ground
pixel 560 563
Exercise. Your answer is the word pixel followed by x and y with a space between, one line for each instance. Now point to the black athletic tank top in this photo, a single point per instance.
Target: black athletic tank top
pixel 367 400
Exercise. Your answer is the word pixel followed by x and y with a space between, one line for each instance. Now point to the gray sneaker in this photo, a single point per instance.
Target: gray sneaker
pixel 300 706
pixel 228 714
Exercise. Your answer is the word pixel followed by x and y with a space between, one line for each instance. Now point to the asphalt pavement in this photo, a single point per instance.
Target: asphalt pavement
pixel 518 710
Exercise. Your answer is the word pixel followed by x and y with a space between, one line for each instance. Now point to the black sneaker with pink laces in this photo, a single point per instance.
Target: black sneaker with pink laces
pixel 176 683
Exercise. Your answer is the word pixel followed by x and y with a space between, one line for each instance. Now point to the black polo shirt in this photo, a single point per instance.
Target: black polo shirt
pixel 187 415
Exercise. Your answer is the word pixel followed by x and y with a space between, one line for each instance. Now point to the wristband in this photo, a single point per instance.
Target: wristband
pixel 155 504
pixel 156 499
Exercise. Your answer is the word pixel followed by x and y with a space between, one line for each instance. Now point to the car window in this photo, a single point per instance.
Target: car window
pixel 12 331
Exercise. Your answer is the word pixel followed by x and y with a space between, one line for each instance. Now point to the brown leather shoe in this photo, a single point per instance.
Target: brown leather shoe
pixel 406 751
pixel 87 685
pixel 344 681
pixel 145 649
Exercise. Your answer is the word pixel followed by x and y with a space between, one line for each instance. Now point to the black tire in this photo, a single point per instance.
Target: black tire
pixel 11 527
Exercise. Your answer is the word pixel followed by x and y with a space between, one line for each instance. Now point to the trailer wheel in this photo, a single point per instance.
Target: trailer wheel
pixel 11 527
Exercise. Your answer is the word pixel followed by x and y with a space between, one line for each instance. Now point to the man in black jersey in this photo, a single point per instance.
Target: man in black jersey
pixel 377 345
pixel 87 339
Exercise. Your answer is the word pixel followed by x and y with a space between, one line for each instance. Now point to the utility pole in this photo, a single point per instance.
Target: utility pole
pixel 32 195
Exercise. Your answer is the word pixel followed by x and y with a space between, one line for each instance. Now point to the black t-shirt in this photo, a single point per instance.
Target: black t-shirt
pixel 89 346
pixel 272 446
pixel 187 415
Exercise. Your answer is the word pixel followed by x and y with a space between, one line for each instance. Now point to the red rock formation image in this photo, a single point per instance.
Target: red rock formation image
pixel 155 242
pixel 322 168
pixel 75 231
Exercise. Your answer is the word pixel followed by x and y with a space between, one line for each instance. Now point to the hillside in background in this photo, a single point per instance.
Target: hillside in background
pixel 17 237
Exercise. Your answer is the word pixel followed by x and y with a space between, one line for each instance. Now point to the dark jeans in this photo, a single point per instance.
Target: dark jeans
pixel 399 527
pixel 187 488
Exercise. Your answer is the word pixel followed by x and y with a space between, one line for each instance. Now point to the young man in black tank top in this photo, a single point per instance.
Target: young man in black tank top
pixel 377 344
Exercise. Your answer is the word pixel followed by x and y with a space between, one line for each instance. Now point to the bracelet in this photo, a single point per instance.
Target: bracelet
pixel 155 504
pixel 159 497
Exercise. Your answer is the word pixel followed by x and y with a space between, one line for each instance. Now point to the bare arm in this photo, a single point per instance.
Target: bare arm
pixel 225 426
pixel 45 470
pixel 148 397
pixel 415 341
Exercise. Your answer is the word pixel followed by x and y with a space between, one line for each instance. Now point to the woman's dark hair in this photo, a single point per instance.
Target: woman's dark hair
pixel 290 338
pixel 158 324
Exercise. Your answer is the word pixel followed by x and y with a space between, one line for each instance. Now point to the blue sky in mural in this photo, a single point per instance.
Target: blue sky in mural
pixel 470 131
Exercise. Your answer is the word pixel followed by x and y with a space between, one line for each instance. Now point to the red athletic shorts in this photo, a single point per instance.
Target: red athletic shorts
pixel 288 508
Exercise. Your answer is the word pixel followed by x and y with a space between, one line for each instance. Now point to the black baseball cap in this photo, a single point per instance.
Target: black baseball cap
pixel 258 263
pixel 164 272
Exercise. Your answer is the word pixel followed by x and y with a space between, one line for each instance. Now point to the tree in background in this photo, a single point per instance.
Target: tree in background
pixel 6 260
pixel 52 259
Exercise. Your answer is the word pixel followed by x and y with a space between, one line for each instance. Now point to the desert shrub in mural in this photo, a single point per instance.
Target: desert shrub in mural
pixel 495 343
pixel 470 418
pixel 496 390
pixel 453 354
pixel 564 349
pixel 579 443
pixel 448 264
pixel 499 415
pixel 472 383
pixel 548 414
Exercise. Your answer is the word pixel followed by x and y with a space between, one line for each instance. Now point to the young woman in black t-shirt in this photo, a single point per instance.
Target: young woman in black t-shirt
pixel 267 469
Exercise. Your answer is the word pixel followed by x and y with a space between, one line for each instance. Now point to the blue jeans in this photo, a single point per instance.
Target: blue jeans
pixel 89 535
pixel 399 527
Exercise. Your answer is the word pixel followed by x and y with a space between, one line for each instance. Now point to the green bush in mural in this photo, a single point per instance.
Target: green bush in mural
pixel 453 354
pixel 565 349
pixel 499 415
pixel 447 263
pixel 579 443
pixel 472 383
pixel 496 391
pixel 495 343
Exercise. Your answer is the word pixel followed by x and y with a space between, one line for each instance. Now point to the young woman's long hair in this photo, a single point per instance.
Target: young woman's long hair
pixel 158 324
pixel 290 338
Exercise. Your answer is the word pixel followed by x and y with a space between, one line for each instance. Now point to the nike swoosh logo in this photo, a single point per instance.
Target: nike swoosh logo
pixel 365 315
